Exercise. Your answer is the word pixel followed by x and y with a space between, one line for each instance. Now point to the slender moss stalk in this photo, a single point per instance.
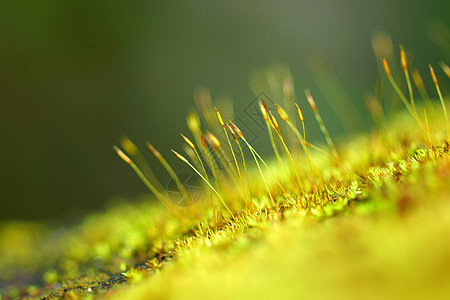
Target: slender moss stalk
pixel 182 158
pixel 213 170
pixel 265 113
pixel 189 142
pixel 291 124
pixel 221 156
pixel 430 144
pixel 144 179
pixel 255 155
pixel 169 169
pixel 397 89
pixel 321 124
pixel 408 79
pixel 243 162
pixel 438 89
pixel 403 98
pixel 141 163
pixel 276 128
pixel 418 82
pixel 219 117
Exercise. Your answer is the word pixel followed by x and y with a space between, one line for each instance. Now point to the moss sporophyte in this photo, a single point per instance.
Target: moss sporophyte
pixel 295 182
pixel 342 214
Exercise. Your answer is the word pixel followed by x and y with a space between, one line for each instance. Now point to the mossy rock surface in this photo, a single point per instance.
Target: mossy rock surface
pixel 376 227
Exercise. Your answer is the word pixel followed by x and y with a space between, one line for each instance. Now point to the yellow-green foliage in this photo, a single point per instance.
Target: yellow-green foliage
pixel 399 250
pixel 367 218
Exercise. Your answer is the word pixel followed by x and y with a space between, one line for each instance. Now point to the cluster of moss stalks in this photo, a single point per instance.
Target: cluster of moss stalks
pixel 368 217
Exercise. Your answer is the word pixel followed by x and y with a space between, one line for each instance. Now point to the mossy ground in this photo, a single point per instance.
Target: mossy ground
pixel 380 231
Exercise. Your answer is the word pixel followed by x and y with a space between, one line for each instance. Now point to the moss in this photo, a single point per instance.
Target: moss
pixel 372 224
pixel 390 244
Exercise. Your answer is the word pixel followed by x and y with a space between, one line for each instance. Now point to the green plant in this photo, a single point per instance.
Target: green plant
pixel 284 228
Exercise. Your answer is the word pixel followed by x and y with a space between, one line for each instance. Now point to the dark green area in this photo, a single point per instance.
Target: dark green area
pixel 75 75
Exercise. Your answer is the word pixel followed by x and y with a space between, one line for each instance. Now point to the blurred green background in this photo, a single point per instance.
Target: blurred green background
pixel 76 75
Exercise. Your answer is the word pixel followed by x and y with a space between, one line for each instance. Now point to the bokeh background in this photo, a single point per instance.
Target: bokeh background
pixel 77 75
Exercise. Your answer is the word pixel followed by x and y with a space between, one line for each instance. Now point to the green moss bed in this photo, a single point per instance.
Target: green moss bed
pixel 381 230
